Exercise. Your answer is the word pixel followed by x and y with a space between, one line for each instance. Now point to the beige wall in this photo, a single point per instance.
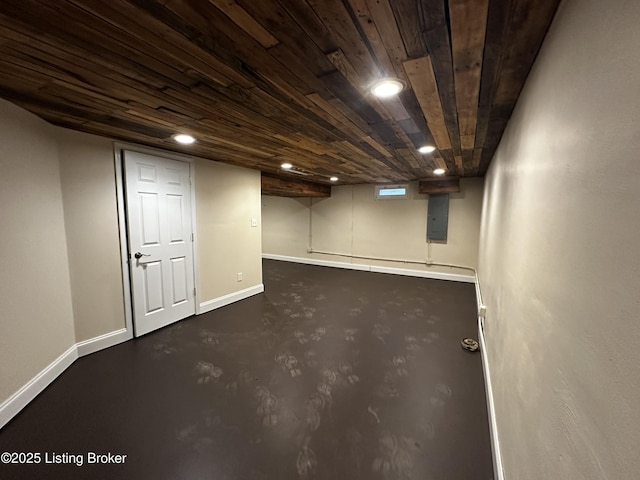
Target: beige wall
pixel 91 221
pixel 353 222
pixel 227 198
pixel 36 315
pixel 559 263
pixel 61 279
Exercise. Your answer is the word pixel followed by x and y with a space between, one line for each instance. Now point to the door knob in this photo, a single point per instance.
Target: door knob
pixel 140 255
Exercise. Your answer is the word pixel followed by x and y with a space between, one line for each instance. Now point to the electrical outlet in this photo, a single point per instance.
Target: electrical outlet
pixel 254 222
pixel 239 276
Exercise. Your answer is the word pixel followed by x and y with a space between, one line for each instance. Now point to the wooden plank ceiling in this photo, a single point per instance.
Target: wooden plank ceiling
pixel 263 82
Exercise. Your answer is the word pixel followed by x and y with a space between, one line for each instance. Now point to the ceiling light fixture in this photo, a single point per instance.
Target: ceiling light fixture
pixel 184 139
pixel 387 87
pixel 427 149
pixel 334 179
pixel 286 166
pixel 438 171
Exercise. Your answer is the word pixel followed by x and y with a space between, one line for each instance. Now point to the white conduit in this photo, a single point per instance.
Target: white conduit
pixel 397 260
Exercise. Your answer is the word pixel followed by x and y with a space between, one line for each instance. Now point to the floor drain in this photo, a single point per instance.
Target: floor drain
pixel 469 344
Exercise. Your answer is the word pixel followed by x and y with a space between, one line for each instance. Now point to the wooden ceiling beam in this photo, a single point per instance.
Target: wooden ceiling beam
pixel 281 187
pixel 439 185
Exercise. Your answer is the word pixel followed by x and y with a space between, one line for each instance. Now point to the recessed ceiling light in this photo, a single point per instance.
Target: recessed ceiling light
pixel 387 87
pixel 286 166
pixel 427 149
pixel 334 179
pixel 438 171
pixel 184 139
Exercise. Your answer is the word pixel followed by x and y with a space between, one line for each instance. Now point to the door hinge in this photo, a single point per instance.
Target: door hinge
pixel 194 292
pixel 192 237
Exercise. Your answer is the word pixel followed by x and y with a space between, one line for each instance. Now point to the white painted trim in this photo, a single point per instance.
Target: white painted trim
pixel 194 229
pixel 373 268
pixel 101 342
pixel 122 227
pixel 493 425
pixel 230 298
pixel 16 402
pixel 454 277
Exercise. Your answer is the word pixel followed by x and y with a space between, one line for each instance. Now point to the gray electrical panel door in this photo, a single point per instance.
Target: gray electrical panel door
pixel 438 217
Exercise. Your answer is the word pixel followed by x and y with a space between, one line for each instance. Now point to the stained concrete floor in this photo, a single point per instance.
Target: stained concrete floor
pixel 330 374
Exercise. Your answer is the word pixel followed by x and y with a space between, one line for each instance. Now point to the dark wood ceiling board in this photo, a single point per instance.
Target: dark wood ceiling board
pixel 498 20
pixel 368 111
pixel 529 25
pixel 121 87
pixel 309 21
pixel 468 27
pixel 436 36
pixel 410 103
pixel 423 81
pixel 307 123
pixel 149 35
pixel 290 33
pixel 329 113
pixel 475 162
pixel 295 62
pixel 527 28
pixel 245 21
pixel 339 23
pixel 277 186
pixel 448 158
pixel 391 109
pixel 39 45
pixel 385 22
pixel 259 83
pixel 374 38
pixel 59 74
pixel 407 15
pixel 125 30
pixel 228 40
pixel 247 108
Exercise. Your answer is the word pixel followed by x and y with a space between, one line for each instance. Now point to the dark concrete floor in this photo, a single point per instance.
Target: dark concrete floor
pixel 330 374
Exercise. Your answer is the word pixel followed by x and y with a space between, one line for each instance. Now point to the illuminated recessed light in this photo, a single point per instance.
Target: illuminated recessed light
pixel 286 166
pixel 184 139
pixel 427 149
pixel 438 171
pixel 334 179
pixel 387 87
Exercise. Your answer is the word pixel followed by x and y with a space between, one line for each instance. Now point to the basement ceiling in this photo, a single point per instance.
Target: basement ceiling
pixel 263 82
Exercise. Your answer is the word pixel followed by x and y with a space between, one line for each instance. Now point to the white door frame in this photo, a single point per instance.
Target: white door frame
pixel 118 147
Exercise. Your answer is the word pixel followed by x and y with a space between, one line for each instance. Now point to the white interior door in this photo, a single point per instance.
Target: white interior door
pixel 158 205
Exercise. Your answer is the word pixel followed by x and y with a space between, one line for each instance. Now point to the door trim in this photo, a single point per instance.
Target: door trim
pixel 118 147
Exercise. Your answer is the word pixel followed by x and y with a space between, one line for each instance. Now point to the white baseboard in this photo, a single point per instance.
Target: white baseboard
pixel 230 298
pixel 101 342
pixel 373 268
pixel 493 426
pixel 16 402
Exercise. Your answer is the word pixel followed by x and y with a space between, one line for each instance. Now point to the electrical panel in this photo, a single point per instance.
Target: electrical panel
pixel 438 217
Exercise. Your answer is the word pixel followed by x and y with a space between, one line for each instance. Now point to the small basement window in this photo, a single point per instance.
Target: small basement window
pixel 384 192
